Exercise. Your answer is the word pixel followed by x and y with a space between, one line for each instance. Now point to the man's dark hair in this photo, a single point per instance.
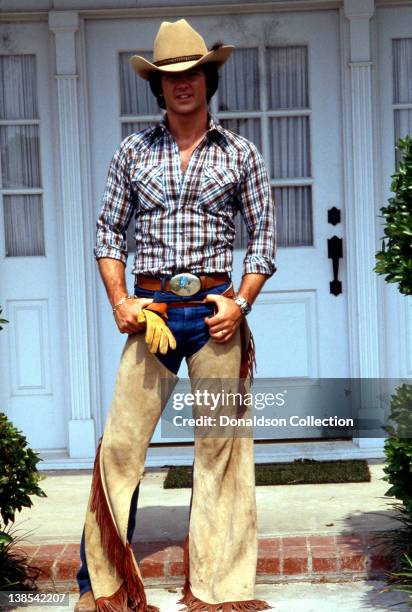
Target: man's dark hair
pixel 212 80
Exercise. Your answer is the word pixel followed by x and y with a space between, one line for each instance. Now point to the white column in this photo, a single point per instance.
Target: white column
pixel 361 210
pixel 65 24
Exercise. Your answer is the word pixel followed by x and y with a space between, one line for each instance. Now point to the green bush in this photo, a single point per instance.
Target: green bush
pixel 404 576
pixel 395 258
pixel 398 470
pixel 395 261
pixel 16 572
pixel 19 479
pixel 398 448
pixel 19 476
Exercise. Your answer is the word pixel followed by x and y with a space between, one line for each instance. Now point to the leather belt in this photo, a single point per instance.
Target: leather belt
pixel 207 281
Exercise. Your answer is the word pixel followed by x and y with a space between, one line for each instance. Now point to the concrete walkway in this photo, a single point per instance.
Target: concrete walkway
pixel 325 509
pixel 294 597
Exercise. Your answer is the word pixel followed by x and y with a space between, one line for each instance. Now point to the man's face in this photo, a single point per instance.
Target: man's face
pixel 184 92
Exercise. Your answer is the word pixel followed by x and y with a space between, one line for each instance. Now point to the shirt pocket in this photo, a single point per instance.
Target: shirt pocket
pixel 148 186
pixel 219 186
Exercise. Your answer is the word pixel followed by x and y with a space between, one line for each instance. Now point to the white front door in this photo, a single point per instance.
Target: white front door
pixel 281 90
pixel 31 376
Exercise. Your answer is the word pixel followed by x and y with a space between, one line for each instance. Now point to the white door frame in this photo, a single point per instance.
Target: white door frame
pixel 81 426
pixel 360 122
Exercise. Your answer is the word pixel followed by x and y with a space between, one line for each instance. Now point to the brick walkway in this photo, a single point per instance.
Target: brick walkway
pixel 285 558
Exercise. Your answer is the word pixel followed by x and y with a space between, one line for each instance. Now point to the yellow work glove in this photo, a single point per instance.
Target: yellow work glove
pixel 158 335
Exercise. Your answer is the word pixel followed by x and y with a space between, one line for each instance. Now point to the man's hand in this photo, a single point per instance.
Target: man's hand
pixel 225 322
pixel 126 315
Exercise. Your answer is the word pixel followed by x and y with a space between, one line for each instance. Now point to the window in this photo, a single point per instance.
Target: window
pixel 20 188
pixel 402 89
pixel 264 96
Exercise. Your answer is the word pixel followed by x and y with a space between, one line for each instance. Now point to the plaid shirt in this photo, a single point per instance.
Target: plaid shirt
pixel 185 222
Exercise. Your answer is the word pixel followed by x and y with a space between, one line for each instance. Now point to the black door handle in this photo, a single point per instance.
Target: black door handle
pixel 335 252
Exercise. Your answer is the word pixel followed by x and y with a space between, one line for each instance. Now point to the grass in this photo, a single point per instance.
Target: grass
pixel 300 471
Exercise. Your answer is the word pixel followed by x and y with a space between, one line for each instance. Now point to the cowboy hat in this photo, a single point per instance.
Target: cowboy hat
pixel 178 47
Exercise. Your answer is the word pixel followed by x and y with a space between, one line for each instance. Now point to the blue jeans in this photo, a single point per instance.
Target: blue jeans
pixel 191 332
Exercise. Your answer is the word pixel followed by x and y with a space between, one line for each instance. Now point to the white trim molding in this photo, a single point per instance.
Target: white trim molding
pixel 360 194
pixel 184 8
pixel 81 426
pixel 360 184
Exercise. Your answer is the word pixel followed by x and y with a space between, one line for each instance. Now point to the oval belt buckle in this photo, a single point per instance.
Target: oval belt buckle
pixel 185 283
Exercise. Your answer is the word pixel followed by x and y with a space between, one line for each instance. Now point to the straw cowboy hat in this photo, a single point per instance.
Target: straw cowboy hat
pixel 178 47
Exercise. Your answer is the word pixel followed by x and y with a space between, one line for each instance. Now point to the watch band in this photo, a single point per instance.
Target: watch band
pixel 244 305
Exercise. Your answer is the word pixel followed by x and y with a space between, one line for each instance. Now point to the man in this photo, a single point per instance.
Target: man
pixel 184 180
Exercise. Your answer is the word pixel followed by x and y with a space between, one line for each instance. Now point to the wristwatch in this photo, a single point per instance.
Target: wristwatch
pixel 244 306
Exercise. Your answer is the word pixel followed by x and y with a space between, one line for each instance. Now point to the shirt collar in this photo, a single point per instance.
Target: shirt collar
pixel 214 130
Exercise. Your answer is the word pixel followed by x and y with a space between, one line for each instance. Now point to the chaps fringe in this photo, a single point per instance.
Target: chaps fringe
pixel 131 594
pixel 248 352
pixel 248 358
pixel 193 604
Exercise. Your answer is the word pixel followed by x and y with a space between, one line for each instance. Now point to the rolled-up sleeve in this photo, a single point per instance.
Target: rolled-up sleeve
pixel 258 210
pixel 116 210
